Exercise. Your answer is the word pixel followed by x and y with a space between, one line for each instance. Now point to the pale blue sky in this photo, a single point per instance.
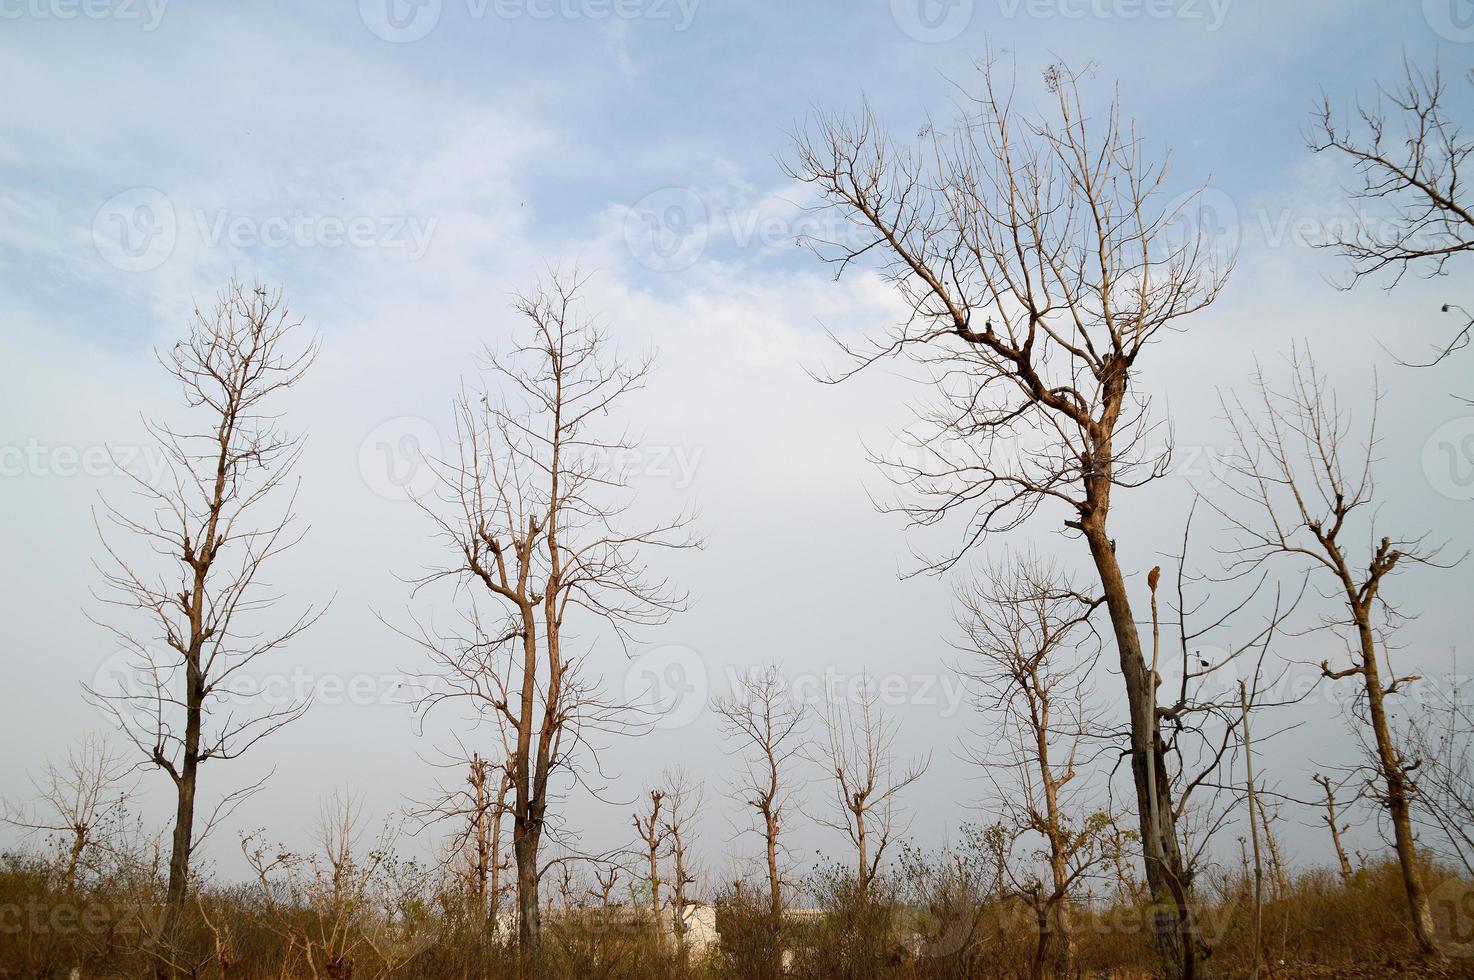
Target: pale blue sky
pixel 399 190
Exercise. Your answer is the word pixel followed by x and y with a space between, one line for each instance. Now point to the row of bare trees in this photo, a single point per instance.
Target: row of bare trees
pixel 1041 260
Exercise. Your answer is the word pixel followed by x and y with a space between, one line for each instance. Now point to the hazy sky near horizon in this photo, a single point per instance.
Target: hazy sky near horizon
pixel 401 167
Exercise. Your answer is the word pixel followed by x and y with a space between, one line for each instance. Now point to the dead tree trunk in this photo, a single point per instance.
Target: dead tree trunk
pixel 1335 827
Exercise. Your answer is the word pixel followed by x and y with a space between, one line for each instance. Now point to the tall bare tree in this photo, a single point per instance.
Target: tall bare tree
pixel 1039 258
pixel 1406 149
pixel 768 727
pixel 533 515
pixel 205 530
pixel 865 776
pixel 1305 474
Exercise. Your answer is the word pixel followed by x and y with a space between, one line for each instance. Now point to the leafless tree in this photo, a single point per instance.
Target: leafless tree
pixel 1333 824
pixel 331 905
pixel 768 727
pixel 684 797
pixel 1028 654
pixel 80 803
pixel 864 775
pixel 476 806
pixel 533 514
pixel 206 530
pixel 653 835
pixel 1407 165
pixel 1440 736
pixel 1039 258
pixel 1305 476
pixel 606 881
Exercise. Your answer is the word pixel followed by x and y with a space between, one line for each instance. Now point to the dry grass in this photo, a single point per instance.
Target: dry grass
pixel 925 924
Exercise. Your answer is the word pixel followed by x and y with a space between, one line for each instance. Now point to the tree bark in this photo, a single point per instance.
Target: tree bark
pixel 1398 802
pixel 1173 928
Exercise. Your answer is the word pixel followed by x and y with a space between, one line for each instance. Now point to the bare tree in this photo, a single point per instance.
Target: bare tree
pixel 1440 736
pixel 1334 825
pixel 1028 654
pixel 865 776
pixel 207 531
pixel 684 796
pixel 1311 497
pixel 475 805
pixel 333 905
pixel 80 803
pixel 1039 261
pixel 1408 166
pixel 533 515
pixel 654 835
pixel 769 728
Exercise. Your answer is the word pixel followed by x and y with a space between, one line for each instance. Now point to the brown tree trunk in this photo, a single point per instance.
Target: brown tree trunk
pixel 183 836
pixel 529 922
pixel 1397 792
pixel 775 882
pixel 1173 918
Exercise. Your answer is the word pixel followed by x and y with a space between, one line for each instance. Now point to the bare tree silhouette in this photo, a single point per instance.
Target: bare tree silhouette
pixel 204 534
pixel 1039 261
pixel 532 512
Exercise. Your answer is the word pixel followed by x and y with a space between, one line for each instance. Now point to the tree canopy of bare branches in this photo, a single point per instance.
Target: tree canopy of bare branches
pixel 768 727
pixel 865 776
pixel 1406 151
pixel 200 538
pixel 1028 651
pixel 1040 257
pixel 80 803
pixel 533 516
